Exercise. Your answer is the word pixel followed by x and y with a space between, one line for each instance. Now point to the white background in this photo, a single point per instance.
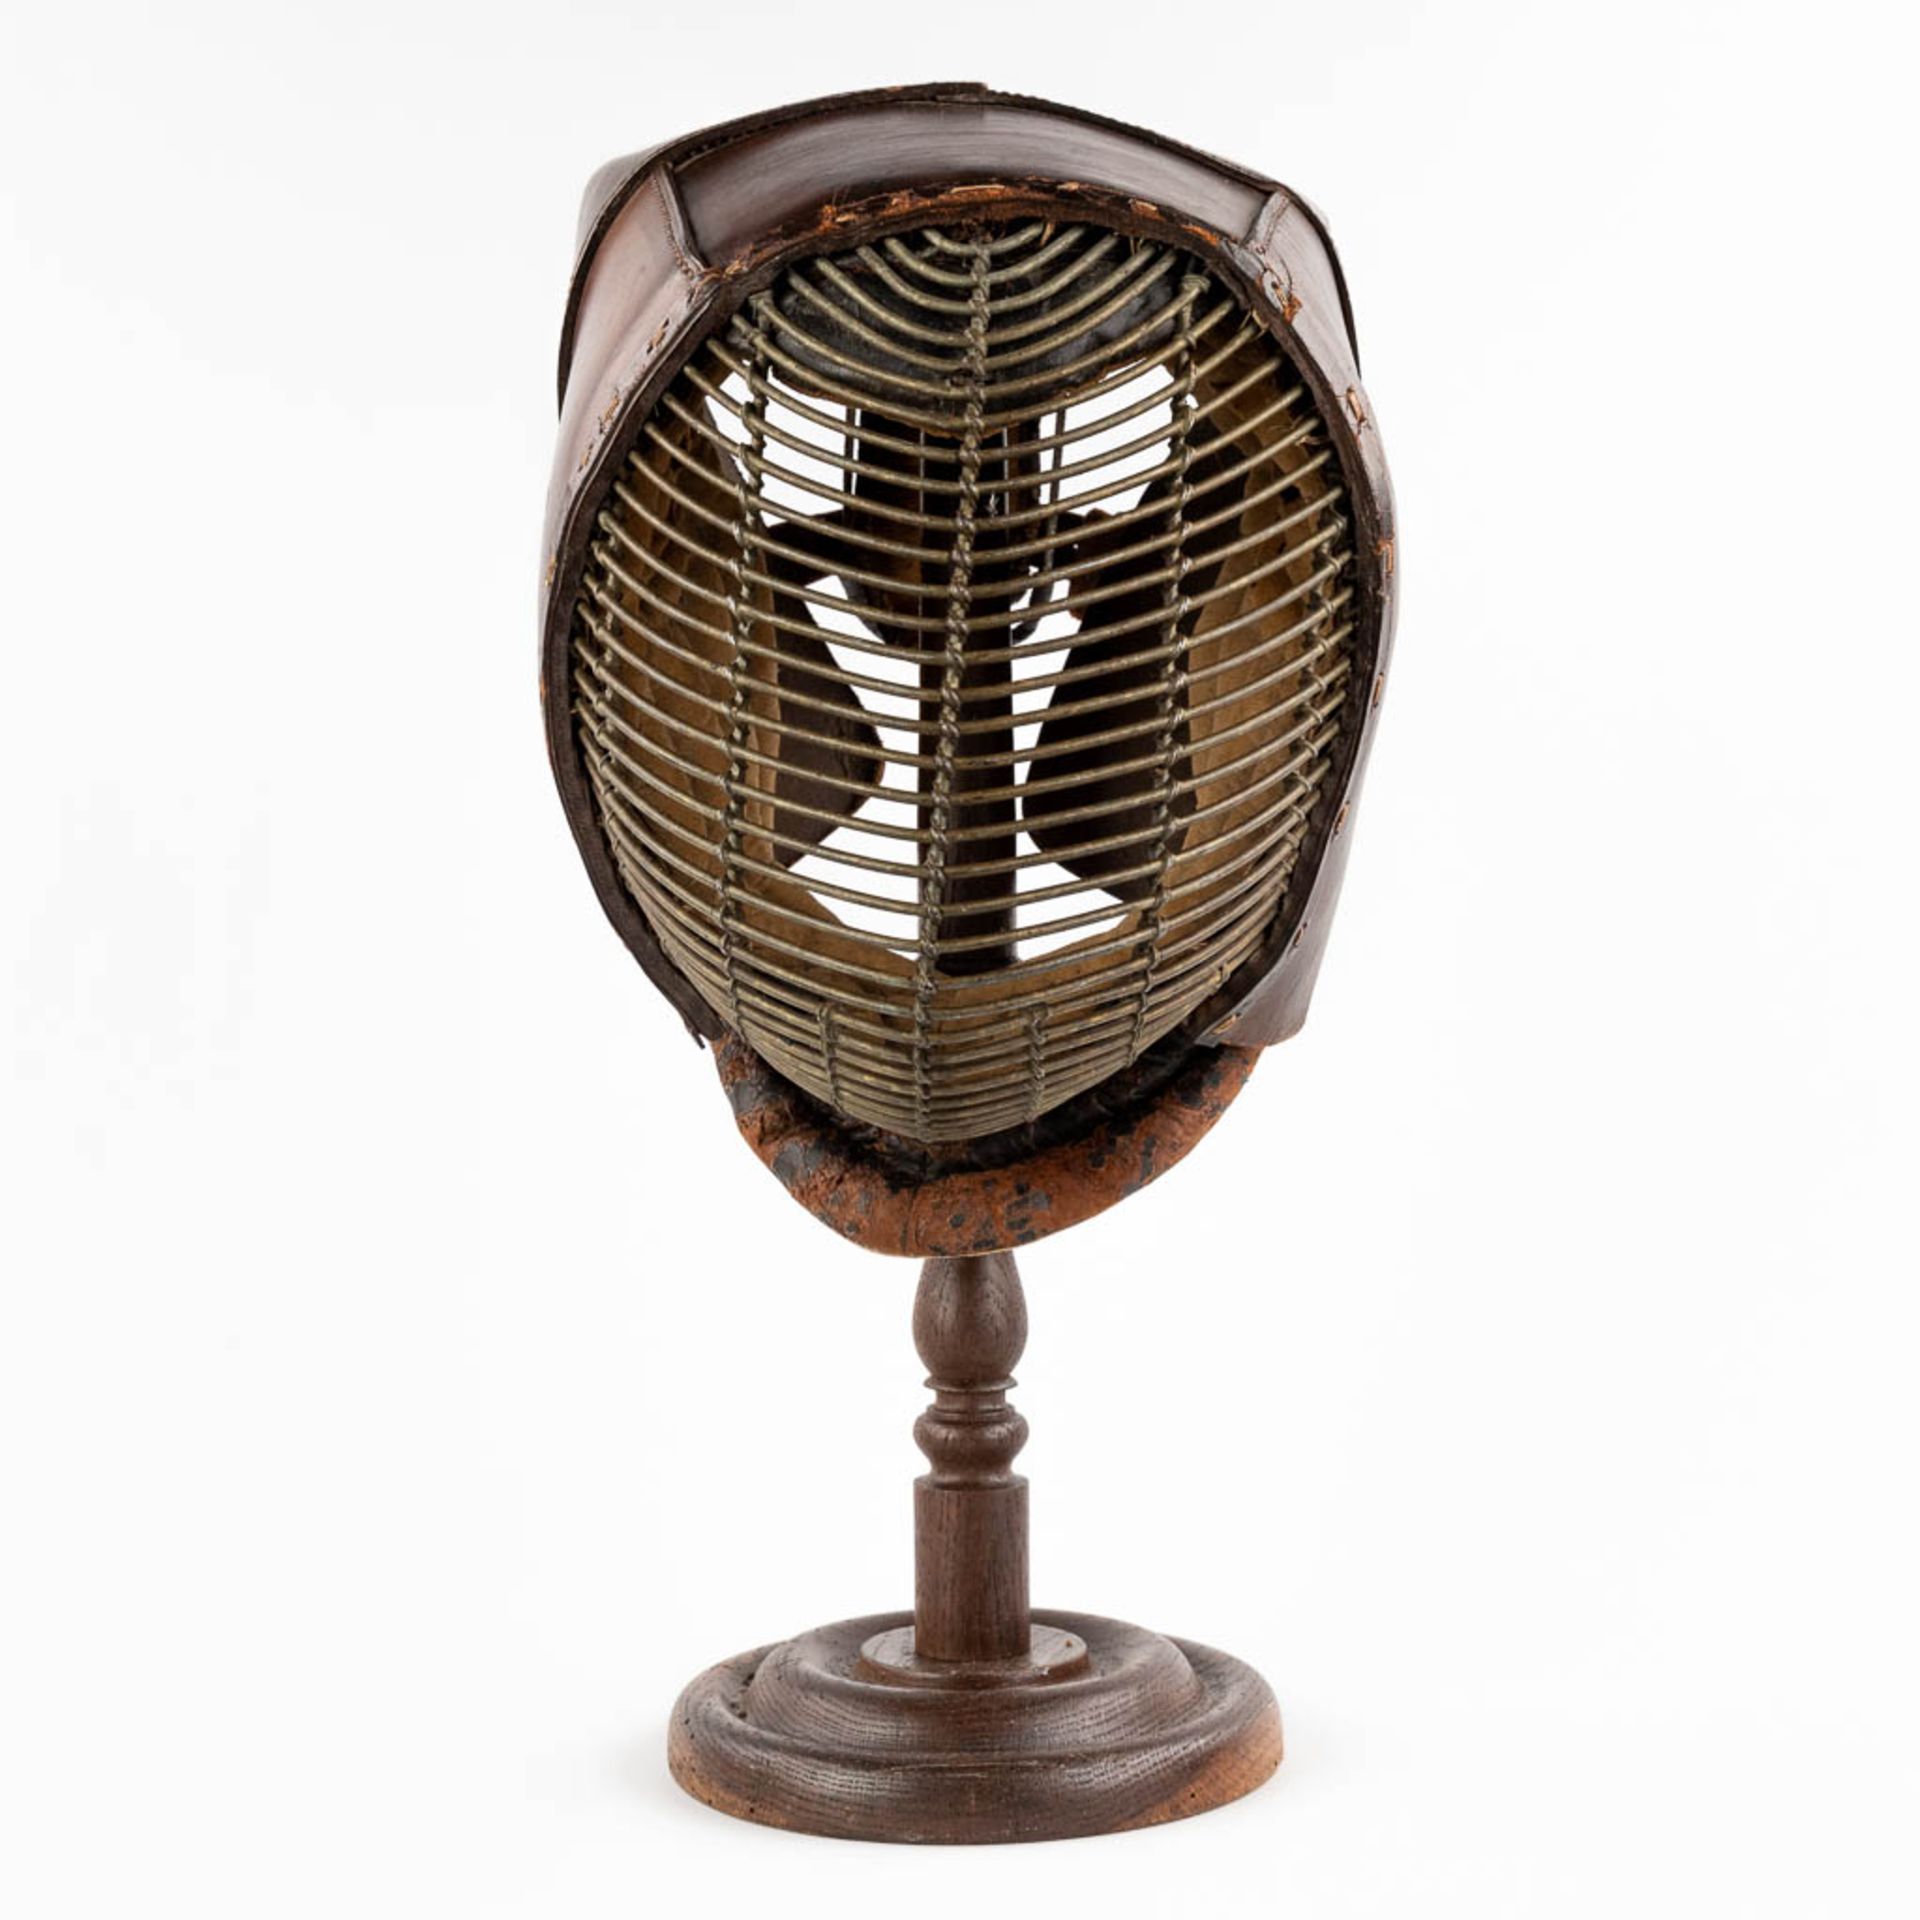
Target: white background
pixel 407 1380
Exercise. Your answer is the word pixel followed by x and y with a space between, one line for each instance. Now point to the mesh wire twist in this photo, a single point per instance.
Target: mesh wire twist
pixel 962 657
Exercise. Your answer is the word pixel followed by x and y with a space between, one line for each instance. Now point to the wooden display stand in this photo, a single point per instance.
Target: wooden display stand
pixel 973 1718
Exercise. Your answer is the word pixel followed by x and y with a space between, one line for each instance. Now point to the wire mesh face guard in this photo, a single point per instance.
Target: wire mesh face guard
pixel 962 657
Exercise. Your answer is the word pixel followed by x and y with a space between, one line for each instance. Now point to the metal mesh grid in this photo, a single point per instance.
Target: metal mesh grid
pixel 960 657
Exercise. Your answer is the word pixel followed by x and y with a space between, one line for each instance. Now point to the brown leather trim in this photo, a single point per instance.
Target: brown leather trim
pixel 615 183
pixel 850 1188
pixel 799 175
pixel 642 307
pixel 1267 1001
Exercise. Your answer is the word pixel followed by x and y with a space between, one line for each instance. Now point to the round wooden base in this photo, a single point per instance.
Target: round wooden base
pixel 1101 1727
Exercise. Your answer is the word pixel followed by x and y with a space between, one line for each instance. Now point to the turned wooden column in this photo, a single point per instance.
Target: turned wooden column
pixel 970 1511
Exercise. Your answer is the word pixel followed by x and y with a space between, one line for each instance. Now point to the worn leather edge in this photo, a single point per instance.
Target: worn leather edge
pixel 616 182
pixel 654 323
pixel 1273 1007
pixel 611 185
pixel 849 1188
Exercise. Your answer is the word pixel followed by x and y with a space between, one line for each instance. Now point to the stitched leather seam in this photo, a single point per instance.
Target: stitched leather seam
pixel 687 268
